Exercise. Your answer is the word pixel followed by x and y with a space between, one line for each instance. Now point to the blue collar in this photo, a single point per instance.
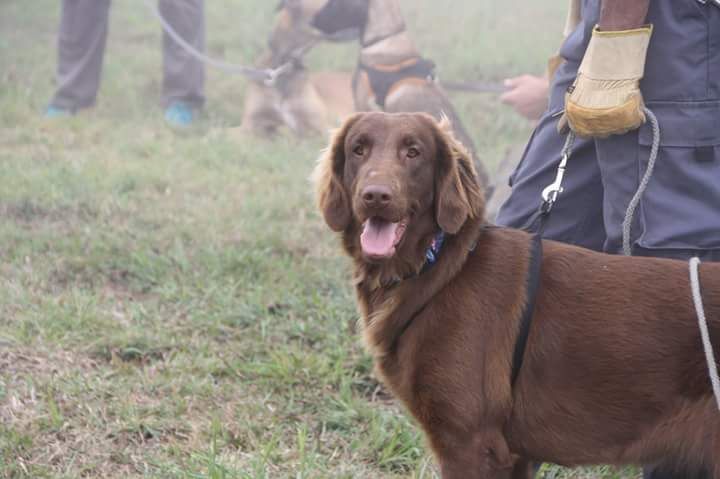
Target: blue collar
pixel 432 254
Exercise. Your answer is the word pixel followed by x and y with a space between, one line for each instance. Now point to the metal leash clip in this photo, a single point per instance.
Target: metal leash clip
pixel 551 191
pixel 272 74
pixel 713 2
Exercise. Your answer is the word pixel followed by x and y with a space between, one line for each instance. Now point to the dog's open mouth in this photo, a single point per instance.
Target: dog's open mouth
pixel 380 237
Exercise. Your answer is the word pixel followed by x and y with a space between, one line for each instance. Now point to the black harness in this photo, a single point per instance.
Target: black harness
pixel 533 283
pixel 432 255
pixel 383 79
pixel 535 225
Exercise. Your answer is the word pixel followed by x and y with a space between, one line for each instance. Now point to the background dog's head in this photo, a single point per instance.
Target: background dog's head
pixel 341 16
pixel 390 182
pixel 300 24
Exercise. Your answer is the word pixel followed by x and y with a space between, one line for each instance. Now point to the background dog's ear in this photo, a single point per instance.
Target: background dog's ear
pixel 332 197
pixel 457 190
pixel 339 15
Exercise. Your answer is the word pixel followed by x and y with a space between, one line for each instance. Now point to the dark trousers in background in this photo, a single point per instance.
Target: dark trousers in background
pixel 81 47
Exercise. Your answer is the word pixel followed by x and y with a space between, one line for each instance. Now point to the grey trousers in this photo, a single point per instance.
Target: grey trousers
pixel 81 47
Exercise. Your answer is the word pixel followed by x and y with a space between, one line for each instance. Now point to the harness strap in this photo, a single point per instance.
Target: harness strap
pixel 382 79
pixel 533 283
pixel 378 39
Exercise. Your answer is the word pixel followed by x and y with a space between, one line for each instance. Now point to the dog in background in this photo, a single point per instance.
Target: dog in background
pixel 306 103
pixel 391 75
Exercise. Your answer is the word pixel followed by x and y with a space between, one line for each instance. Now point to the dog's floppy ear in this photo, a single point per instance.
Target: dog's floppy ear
pixel 340 15
pixel 458 193
pixel 332 197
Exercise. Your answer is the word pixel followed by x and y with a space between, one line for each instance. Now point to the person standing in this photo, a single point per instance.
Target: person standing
pixel 81 48
pixel 620 56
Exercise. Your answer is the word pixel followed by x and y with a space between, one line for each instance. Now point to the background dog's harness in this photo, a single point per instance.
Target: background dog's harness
pixel 384 78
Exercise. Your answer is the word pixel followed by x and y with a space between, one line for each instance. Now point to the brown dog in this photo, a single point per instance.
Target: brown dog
pixel 614 370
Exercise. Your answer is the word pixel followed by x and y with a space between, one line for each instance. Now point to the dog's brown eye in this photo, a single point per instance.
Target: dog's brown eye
pixel 359 150
pixel 413 152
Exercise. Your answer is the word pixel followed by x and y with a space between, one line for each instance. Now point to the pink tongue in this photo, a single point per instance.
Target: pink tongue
pixel 378 237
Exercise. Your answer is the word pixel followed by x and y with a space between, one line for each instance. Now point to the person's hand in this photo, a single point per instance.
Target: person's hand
pixel 605 98
pixel 527 95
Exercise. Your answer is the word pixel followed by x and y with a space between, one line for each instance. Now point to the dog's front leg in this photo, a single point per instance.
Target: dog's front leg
pixel 468 468
pixel 483 455
pixel 478 467
pixel 523 469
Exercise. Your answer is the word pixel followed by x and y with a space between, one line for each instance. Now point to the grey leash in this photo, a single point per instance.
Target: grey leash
pixel 630 213
pixel 704 332
pixel 551 192
pixel 267 76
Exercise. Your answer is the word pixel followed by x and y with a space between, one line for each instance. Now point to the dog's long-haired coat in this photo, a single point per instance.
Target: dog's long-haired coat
pixel 614 369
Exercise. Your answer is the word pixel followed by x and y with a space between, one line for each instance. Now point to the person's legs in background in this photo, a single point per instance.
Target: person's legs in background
pixel 81 47
pixel 183 74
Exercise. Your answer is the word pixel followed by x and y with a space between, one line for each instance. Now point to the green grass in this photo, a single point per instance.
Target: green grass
pixel 170 304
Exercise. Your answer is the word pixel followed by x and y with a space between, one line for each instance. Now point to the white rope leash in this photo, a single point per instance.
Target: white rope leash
pixel 704 332
pixel 267 76
pixel 635 201
pixel 627 250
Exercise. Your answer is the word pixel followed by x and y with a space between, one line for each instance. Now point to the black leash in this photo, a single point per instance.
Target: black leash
pixel 536 225
pixel 533 284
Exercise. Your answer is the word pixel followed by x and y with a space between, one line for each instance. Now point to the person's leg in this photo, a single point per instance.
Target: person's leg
pixel 81 46
pixel 675 218
pixel 183 74
pixel 679 212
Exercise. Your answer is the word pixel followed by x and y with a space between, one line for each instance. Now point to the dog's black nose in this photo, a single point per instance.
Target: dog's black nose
pixel 376 196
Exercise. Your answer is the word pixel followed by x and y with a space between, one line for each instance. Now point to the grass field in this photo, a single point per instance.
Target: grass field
pixel 170 304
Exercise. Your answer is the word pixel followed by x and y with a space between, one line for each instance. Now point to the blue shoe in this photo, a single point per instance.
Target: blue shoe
pixel 53 112
pixel 179 115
